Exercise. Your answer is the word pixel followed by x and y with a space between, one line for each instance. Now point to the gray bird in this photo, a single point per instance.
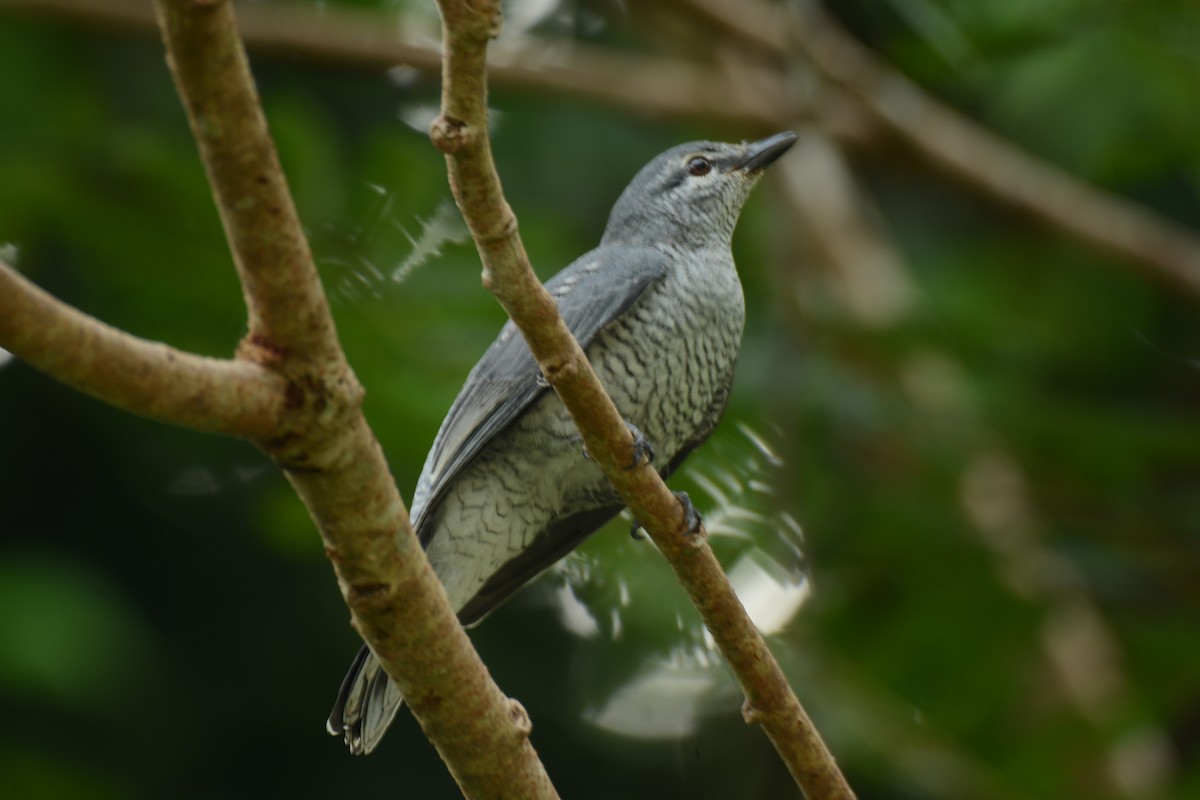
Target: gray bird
pixel 506 490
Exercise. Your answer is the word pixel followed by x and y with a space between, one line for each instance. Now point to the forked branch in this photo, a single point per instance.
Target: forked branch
pixel 324 445
pixel 291 392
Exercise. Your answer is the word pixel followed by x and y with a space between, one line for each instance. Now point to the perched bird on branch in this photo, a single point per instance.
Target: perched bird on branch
pixel 507 490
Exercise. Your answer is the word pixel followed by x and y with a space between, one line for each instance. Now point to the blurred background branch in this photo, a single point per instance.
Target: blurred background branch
pixel 845 90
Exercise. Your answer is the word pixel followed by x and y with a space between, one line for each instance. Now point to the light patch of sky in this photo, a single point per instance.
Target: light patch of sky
pixel 522 15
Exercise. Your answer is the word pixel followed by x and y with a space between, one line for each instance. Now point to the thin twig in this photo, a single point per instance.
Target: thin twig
pixel 461 132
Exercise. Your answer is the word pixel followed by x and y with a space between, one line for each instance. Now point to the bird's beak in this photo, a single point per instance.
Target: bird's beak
pixel 761 153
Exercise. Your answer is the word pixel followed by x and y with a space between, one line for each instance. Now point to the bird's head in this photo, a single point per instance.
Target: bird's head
pixel 691 195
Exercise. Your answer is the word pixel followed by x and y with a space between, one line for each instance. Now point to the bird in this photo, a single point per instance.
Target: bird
pixel 507 489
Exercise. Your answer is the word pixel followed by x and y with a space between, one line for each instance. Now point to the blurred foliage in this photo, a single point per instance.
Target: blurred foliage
pixel 1000 496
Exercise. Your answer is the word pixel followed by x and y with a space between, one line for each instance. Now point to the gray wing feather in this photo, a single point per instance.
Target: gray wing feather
pixel 591 293
pixel 366 705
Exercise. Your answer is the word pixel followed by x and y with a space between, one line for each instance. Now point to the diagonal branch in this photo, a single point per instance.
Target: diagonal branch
pixel 155 380
pixel 461 133
pixel 965 150
pixel 286 305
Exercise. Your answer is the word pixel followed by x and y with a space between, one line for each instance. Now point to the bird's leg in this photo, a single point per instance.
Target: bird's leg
pixel 642 449
pixel 690 515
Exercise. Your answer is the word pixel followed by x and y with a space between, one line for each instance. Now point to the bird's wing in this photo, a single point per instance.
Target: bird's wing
pixel 591 293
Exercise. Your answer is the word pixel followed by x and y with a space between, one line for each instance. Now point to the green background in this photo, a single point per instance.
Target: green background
pixel 169 626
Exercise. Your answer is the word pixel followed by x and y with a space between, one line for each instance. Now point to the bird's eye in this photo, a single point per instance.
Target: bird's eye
pixel 699 166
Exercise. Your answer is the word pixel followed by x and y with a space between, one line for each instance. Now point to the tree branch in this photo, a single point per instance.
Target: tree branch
pixel 461 133
pixel 961 148
pixel 286 305
pixel 139 376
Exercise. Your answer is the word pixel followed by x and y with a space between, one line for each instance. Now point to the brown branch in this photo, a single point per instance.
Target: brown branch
pixel 763 28
pixel 655 87
pixel 324 444
pixel 461 132
pixel 286 305
pixel 139 376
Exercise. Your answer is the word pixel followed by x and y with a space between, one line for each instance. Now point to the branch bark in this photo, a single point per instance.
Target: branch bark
pixel 285 303
pixel 461 133
pixel 137 375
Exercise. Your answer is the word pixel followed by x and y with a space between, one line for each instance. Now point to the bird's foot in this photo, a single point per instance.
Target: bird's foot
pixel 642 449
pixel 690 516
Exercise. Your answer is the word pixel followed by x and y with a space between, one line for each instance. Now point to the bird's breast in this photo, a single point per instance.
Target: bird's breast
pixel 668 361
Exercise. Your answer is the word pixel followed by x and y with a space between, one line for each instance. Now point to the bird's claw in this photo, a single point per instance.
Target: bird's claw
pixel 690 516
pixel 642 449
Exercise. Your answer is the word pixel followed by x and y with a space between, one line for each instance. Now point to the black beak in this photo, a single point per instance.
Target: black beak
pixel 761 153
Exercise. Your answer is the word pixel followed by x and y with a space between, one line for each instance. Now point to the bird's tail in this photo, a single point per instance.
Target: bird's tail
pixel 366 704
